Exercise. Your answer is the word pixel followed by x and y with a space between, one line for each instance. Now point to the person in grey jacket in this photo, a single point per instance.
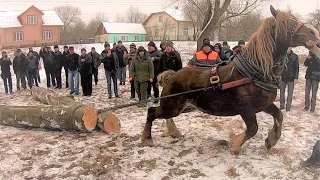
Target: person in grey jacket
pixel 33 63
pixel 287 79
pixel 96 62
pixel 85 69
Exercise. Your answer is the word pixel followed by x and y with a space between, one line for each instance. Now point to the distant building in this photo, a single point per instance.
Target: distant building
pixel 113 32
pixel 29 27
pixel 170 25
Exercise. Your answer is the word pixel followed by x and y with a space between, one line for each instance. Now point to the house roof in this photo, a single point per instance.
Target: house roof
pixel 9 19
pixel 176 14
pixel 124 28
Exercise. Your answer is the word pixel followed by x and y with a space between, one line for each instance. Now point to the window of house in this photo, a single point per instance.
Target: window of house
pixel 160 18
pixel 185 31
pixel 17 36
pixel 47 34
pixel 32 20
pixel 156 32
pixel 123 38
pixel 136 38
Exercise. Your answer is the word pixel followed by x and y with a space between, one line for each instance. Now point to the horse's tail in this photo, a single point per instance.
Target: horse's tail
pixel 164 77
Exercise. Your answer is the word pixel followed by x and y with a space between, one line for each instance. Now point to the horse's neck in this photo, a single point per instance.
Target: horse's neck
pixel 280 51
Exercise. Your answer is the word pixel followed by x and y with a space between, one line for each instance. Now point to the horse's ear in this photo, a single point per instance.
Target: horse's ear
pixel 273 11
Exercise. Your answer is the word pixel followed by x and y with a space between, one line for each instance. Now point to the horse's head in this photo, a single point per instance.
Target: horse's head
pixel 289 32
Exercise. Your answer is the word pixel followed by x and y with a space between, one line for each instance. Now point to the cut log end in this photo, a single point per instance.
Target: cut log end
pixel 90 118
pixel 111 124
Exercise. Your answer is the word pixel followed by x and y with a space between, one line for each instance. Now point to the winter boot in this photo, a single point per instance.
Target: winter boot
pixel 314 160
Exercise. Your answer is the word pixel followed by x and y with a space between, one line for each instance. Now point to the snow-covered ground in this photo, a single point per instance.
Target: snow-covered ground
pixel 38 154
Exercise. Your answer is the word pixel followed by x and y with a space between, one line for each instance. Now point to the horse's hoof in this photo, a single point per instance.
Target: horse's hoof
pixel 237 152
pixel 233 150
pixel 267 144
pixel 176 134
pixel 147 142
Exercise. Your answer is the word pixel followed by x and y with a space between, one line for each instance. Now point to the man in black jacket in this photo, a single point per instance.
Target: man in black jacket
pixel 57 65
pixel 47 57
pixel 155 58
pixel 85 62
pixel 226 50
pixel 65 63
pixel 73 76
pixel 122 56
pixel 95 63
pixel 5 64
pixel 20 65
pixel 38 58
pixel 287 79
pixel 170 59
pixel 312 81
pixel 111 65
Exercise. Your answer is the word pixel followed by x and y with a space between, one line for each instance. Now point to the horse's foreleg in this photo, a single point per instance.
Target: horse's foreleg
pixel 146 138
pixel 172 129
pixel 274 133
pixel 252 128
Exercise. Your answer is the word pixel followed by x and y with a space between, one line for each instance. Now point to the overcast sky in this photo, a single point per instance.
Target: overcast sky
pixel 112 7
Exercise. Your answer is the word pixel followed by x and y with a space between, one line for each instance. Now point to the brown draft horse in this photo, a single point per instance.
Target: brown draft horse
pixel 265 48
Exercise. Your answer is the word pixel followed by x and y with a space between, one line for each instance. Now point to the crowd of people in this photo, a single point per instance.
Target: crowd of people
pixel 144 66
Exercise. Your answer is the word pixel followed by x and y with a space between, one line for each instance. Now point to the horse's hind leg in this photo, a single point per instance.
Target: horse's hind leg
pixel 172 129
pixel 252 128
pixel 274 133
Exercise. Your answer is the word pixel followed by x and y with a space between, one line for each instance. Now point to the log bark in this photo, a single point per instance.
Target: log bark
pixel 50 97
pixel 79 118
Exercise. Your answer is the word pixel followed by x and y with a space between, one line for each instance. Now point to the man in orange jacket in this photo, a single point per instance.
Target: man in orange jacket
pixel 206 57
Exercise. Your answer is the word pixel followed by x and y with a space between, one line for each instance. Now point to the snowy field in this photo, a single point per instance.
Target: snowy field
pixel 38 154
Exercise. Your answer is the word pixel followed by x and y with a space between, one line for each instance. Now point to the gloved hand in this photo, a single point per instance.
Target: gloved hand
pixel 151 80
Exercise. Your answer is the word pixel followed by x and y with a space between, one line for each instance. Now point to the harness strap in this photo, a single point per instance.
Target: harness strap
pixel 236 83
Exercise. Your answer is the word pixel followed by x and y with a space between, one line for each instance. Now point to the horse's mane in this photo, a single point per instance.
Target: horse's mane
pixel 260 48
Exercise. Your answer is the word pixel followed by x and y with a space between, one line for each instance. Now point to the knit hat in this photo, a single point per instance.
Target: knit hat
pixel 106 44
pixel 225 43
pixel 169 43
pixel 133 45
pixel 65 47
pixel 141 48
pixel 206 43
pixel 151 43
pixel 56 46
pixel 241 42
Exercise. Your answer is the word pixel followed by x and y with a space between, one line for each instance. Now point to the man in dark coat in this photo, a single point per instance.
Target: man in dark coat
pixel 226 50
pixel 238 48
pixel 57 65
pixel 218 49
pixel 170 59
pixel 95 63
pixel 47 57
pixel 85 62
pixel 163 46
pixel 122 56
pixel 20 65
pixel 33 63
pixel 312 81
pixel 5 64
pixel 65 63
pixel 73 77
pixel 155 58
pixel 287 79
pixel 38 58
pixel 110 61
pixel 132 54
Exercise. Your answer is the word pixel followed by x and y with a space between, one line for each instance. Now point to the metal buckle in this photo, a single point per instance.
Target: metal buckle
pixel 214 79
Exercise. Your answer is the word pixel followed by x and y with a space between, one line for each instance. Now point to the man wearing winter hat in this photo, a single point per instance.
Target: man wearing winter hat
pixel 142 72
pixel 170 59
pixel 238 48
pixel 132 53
pixel 163 46
pixel 155 58
pixel 206 57
pixel 57 65
pixel 226 50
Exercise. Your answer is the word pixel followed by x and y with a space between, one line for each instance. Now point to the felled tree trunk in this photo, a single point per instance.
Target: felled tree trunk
pixel 79 118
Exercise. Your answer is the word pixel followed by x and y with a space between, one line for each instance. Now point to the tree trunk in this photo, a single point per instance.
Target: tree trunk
pixel 109 123
pixel 79 118
pixel 50 97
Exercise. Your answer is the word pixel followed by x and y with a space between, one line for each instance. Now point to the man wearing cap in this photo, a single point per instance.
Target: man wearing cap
pixel 122 56
pixel 155 58
pixel 238 48
pixel 132 53
pixel 163 46
pixel 170 59
pixel 142 73
pixel 226 50
pixel 65 63
pixel 85 69
pixel 110 61
pixel 20 65
pixel 206 57
pixel 96 61
pixel 73 76
pixel 38 58
pixel 57 65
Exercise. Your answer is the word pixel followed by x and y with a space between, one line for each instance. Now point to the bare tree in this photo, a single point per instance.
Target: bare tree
pixel 119 18
pixel 166 28
pixel 134 15
pixel 94 23
pixel 314 18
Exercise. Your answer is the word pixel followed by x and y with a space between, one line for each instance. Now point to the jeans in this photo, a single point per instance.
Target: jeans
pixel 95 74
pixel 32 77
pixel 50 76
pixel 122 74
pixel 57 75
pixel 283 86
pixel 311 85
pixel 142 88
pixel 21 77
pixel 74 81
pixel 7 80
pixel 112 75
pixel 155 87
pixel 86 83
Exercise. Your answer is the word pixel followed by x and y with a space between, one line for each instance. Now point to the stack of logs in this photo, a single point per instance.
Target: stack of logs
pixel 58 113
